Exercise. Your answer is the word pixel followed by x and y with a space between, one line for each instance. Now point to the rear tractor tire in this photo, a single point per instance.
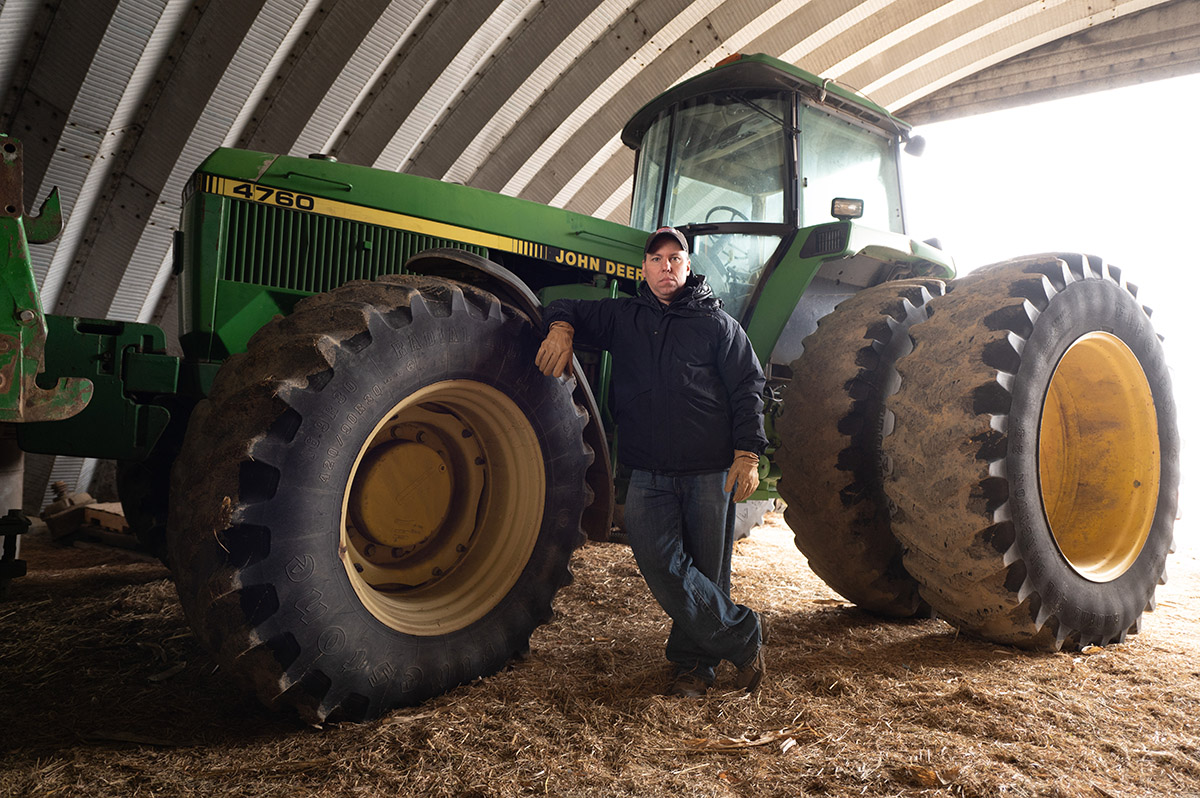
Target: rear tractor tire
pixel 834 420
pixel 379 499
pixel 1036 456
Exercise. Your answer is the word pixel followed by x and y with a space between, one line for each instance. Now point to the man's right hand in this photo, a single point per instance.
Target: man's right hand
pixel 555 354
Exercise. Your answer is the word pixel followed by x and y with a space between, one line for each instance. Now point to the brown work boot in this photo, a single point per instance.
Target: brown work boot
pixel 750 675
pixel 687 684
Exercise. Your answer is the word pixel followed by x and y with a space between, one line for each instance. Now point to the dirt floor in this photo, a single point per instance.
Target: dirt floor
pixel 105 693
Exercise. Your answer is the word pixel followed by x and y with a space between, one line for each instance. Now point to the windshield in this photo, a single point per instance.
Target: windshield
pixel 728 163
pixel 841 159
pixel 718 160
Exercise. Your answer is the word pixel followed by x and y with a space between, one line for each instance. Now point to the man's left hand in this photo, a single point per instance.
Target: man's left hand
pixel 743 473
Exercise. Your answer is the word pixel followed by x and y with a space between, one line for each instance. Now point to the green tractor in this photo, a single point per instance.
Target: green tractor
pixel 374 495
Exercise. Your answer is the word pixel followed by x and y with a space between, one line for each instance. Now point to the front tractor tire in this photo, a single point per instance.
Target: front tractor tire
pixel 1036 456
pixel 379 499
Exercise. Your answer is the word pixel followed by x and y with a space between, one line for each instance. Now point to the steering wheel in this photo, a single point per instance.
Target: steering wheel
pixel 721 272
pixel 734 213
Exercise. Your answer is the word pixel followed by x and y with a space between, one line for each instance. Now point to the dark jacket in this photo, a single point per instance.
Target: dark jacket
pixel 687 386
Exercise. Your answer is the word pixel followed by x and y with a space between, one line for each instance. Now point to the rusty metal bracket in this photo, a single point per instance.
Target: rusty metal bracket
pixel 22 320
pixel 12 200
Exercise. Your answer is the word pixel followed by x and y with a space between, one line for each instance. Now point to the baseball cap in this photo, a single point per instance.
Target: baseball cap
pixel 667 231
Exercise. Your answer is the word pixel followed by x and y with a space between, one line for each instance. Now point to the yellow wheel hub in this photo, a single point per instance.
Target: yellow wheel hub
pixel 401 494
pixel 1098 457
pixel 443 507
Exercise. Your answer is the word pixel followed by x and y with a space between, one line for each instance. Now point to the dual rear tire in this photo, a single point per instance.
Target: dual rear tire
pixel 1026 474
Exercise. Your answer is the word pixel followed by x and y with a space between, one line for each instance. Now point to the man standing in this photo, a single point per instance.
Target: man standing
pixel 687 396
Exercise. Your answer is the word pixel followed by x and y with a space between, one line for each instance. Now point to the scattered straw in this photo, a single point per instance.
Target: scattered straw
pixel 106 693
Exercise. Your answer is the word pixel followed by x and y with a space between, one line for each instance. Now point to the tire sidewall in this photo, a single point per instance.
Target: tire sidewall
pixel 1096 609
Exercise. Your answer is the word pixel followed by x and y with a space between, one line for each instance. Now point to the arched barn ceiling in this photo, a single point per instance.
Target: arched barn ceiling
pixel 118 100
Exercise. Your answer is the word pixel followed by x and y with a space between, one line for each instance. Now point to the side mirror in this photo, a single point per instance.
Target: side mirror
pixel 843 208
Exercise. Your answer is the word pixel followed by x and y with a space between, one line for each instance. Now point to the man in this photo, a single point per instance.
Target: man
pixel 687 396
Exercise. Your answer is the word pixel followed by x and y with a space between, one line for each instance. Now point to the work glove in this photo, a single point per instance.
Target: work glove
pixel 743 472
pixel 555 353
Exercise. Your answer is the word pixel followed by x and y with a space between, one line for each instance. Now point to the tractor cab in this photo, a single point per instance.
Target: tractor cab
pixel 745 155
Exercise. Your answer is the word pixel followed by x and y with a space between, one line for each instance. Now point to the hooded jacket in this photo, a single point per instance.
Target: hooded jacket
pixel 686 388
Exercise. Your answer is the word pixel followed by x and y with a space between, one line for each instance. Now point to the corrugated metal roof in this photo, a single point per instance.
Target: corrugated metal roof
pixel 474 59
pixel 506 119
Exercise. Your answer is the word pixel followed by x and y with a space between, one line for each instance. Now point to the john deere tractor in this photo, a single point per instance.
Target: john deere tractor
pixel 374 495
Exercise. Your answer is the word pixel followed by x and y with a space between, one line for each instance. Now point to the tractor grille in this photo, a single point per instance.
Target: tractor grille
pixel 308 252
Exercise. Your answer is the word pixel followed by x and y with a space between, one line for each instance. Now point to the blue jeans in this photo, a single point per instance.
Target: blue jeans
pixel 681 533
